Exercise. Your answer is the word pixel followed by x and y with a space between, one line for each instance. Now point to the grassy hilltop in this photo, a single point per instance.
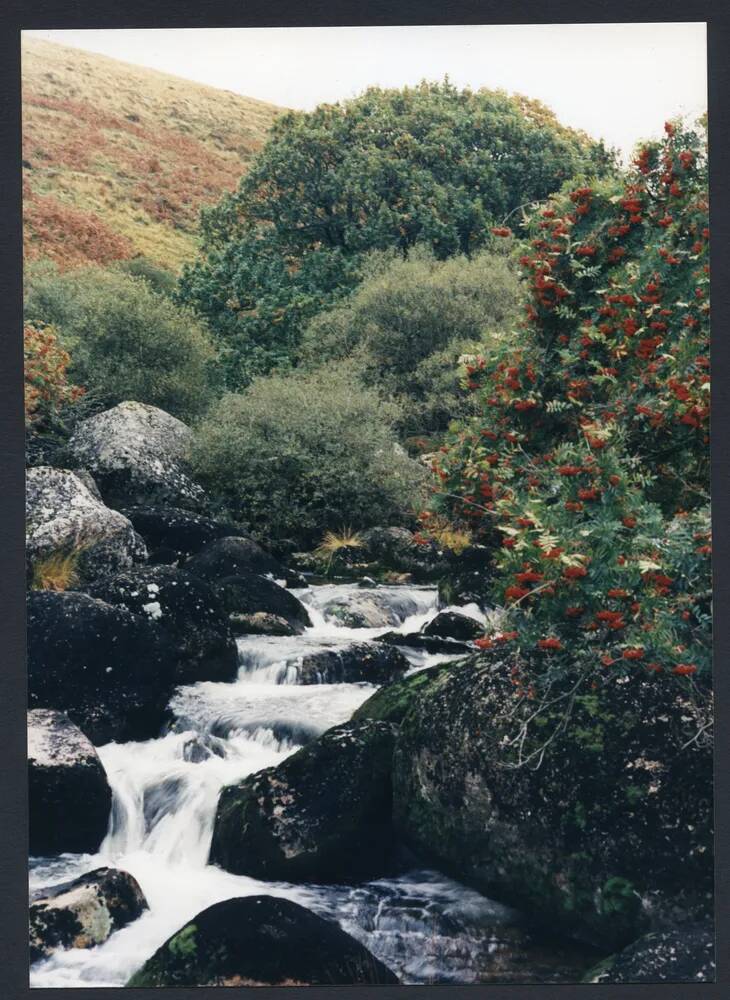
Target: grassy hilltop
pixel 118 159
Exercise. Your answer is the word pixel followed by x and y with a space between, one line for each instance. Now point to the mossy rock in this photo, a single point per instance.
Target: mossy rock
pixel 391 703
pixel 603 827
pixel 681 955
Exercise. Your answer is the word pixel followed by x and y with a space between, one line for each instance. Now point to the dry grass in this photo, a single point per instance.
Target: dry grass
pixel 446 536
pixel 333 544
pixel 58 571
pixel 119 159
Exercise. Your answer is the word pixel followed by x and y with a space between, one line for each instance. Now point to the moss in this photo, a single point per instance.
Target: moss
pixel 183 944
pixel 393 702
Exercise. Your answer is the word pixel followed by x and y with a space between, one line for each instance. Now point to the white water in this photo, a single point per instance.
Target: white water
pixel 165 791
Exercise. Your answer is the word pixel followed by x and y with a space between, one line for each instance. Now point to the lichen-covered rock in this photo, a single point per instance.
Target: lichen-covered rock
pixel 261 941
pixel 359 662
pixel 683 955
pixel 110 670
pixel 261 623
pixel 64 516
pixel 234 556
pixel 183 606
pixel 588 805
pixel 138 456
pixel 396 549
pixel 173 534
pixel 369 609
pixel 452 625
pixel 69 798
pixel 247 593
pixel 323 815
pixel 84 912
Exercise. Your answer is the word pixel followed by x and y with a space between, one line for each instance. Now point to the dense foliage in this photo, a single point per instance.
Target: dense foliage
pixel 409 321
pixel 295 456
pixel 587 470
pixel 391 168
pixel 125 340
pixel 47 386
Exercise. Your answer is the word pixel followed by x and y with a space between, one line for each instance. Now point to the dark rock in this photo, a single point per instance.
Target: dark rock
pixel 69 798
pixel 684 955
pixel 186 609
pixel 429 643
pixel 177 533
pixel 138 456
pixel 391 703
pixel 396 549
pixel 84 912
pixel 261 941
pixel 452 625
pixel 466 577
pixel 235 557
pixel 323 815
pixel 358 662
pixel 110 670
pixel 64 517
pixel 261 623
pixel 598 823
pixel 247 593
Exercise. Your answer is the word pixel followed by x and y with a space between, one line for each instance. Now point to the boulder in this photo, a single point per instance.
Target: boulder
pixel 261 623
pixel 369 609
pixel 452 625
pixel 323 815
pixel 110 670
pixel 84 912
pixel 397 549
pixel 682 955
pixel 261 941
pixel 393 702
pixel 429 643
pixel 138 456
pixel 587 805
pixel 175 533
pixel 247 593
pixel 186 609
pixel 359 662
pixel 63 517
pixel 466 576
pixel 69 798
pixel 235 556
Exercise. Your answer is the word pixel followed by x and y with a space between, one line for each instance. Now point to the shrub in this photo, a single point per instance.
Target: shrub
pixel 411 319
pixel 391 168
pixel 160 279
pixel 294 457
pixel 47 387
pixel 125 341
pixel 588 466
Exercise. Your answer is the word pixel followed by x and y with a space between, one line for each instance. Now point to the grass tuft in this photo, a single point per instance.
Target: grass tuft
pixel 58 571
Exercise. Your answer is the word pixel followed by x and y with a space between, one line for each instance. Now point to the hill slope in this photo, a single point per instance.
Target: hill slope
pixel 118 159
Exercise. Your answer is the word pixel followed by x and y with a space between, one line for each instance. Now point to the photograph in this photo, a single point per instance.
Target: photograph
pixel 368 550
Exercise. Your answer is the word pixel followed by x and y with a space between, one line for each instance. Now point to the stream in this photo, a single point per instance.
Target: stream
pixel 428 928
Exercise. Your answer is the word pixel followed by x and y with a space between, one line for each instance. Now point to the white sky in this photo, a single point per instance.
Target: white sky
pixel 619 82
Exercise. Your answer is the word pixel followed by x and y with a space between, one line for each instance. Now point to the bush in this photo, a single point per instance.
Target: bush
pixel 125 341
pixel 158 278
pixel 296 456
pixel 588 467
pixel 428 164
pixel 410 320
pixel 47 387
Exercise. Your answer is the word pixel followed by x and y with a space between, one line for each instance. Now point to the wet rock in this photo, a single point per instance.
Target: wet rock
pixel 596 820
pixel 452 625
pixel 185 608
pixel 69 798
pixel 261 941
pixel 64 516
pixel 110 670
pixel 369 609
pixel 323 815
pixel 235 556
pixel 248 593
pixel 684 955
pixel 84 912
pixel 261 623
pixel 466 577
pixel 429 643
pixel 359 662
pixel 176 534
pixel 396 549
pixel 138 456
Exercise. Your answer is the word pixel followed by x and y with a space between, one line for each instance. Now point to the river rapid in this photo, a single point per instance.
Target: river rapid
pixel 428 928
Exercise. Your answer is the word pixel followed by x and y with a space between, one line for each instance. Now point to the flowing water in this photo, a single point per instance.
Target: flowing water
pixel 425 926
